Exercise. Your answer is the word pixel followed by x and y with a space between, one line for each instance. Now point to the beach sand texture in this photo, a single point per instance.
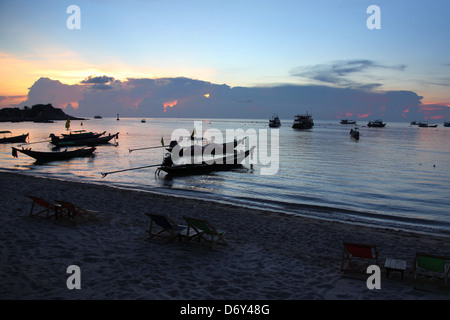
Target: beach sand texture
pixel 269 256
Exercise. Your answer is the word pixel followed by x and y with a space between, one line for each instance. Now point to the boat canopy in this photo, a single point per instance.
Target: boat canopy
pixel 5 132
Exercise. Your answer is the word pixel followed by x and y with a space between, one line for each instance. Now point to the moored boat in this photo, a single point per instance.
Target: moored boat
pixel 74 136
pixel 447 124
pixel 347 121
pixel 214 149
pixel 274 122
pixel 376 124
pixel 92 141
pixel 354 133
pixel 205 166
pixel 7 137
pixel 427 125
pixel 47 156
pixel 303 121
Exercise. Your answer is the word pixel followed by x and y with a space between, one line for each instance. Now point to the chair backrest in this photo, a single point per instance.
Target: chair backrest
pixel 163 221
pixel 360 250
pixel 430 262
pixel 200 224
pixel 68 205
pixel 41 202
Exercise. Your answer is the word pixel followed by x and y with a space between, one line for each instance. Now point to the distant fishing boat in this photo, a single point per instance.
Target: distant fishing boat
pixel 97 117
pixel 446 124
pixel 118 117
pixel 7 137
pixel 303 121
pixel 427 125
pixel 274 122
pixel 376 124
pixel 347 121
pixel 143 121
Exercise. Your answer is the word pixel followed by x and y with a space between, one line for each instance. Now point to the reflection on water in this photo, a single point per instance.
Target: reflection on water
pixel 393 176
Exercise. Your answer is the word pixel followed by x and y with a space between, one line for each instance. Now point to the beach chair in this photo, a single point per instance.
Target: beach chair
pixel 358 250
pixel 164 227
pixel 206 231
pixel 75 211
pixel 432 264
pixel 50 209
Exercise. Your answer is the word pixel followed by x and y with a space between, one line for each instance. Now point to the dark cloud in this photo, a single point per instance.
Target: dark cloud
pixel 339 72
pixel 97 80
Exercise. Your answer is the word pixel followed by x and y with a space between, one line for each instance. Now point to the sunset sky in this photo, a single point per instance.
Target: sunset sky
pixel 244 43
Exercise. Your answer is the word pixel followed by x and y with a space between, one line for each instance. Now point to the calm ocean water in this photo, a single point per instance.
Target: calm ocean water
pixel 397 176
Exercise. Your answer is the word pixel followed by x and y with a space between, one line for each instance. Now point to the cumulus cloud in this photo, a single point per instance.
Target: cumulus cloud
pixel 144 97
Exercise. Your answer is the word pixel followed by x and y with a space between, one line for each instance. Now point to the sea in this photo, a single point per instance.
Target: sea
pixel 395 177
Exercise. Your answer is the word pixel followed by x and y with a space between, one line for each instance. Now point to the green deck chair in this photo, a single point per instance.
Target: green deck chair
pixel 431 262
pixel 163 227
pixel 206 231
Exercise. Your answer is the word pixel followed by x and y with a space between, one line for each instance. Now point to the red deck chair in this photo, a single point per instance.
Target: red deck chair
pixel 50 209
pixel 358 250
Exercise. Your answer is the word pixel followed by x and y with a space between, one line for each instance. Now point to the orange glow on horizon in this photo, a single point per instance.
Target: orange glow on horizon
pixel 73 104
pixel 169 104
pixel 441 104
pixel 362 116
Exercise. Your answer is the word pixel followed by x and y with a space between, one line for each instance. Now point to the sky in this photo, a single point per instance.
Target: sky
pixel 238 58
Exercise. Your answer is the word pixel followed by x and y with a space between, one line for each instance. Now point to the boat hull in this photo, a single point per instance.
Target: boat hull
pixel 42 156
pixel 21 138
pixel 84 142
pixel 221 164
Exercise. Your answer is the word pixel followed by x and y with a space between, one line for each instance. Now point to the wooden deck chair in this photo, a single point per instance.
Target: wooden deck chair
pixel 164 227
pixel 431 263
pixel 358 250
pixel 75 211
pixel 50 209
pixel 206 231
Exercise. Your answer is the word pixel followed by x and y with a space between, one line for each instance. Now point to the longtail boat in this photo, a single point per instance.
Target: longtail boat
pixel 75 135
pixel 46 156
pixel 218 164
pixel 210 148
pixel 93 141
pixel 9 138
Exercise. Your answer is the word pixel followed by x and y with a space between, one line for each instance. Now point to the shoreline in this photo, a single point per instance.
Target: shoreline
pixel 269 255
pixel 303 210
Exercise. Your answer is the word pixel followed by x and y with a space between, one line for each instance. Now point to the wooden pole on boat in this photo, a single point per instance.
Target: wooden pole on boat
pixel 104 174
pixel 32 143
pixel 129 150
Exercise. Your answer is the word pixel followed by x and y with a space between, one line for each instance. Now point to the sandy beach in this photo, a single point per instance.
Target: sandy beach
pixel 269 256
